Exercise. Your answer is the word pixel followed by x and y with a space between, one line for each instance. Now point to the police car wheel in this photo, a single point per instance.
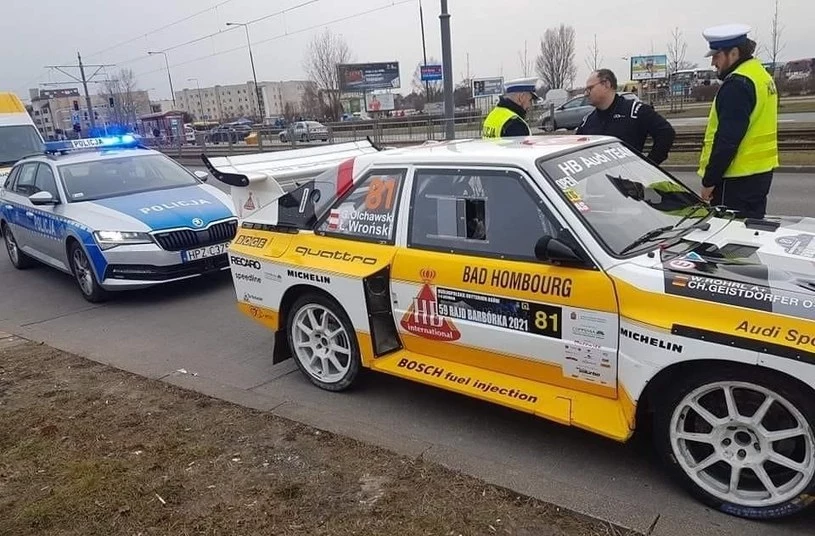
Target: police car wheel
pixel 323 342
pixel 85 277
pixel 19 259
pixel 740 440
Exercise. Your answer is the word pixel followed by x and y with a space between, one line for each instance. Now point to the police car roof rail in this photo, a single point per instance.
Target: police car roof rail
pixel 85 144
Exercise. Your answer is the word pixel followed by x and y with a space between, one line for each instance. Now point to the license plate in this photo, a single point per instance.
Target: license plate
pixel 196 254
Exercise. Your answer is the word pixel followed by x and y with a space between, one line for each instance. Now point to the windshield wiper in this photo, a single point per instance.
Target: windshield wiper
pixel 692 212
pixel 650 235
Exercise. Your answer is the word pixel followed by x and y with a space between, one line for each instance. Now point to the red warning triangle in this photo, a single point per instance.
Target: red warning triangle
pixel 250 203
pixel 422 318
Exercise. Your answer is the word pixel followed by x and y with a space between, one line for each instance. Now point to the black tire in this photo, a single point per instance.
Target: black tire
pixel 18 259
pixel 354 361
pixel 84 275
pixel 548 125
pixel 781 386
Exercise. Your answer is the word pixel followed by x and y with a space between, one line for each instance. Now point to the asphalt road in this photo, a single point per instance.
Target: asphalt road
pixel 195 326
pixel 790 119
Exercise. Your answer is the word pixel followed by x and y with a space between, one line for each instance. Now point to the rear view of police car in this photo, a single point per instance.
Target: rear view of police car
pixel 114 215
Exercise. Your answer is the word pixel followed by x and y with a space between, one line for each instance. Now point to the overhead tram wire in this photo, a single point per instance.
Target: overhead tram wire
pixel 287 34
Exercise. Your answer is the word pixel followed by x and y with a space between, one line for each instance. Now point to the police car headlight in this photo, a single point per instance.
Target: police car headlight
pixel 111 239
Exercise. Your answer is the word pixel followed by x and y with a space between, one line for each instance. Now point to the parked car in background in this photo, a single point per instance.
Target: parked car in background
pixel 570 114
pixel 228 133
pixel 304 131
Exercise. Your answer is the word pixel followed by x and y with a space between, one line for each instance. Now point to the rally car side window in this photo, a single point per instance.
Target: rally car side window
pixel 368 211
pixel 480 212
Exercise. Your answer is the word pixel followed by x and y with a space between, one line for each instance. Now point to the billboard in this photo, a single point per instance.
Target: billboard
pixel 649 67
pixel 382 102
pixel 431 73
pixel 485 87
pixel 369 76
pixel 56 93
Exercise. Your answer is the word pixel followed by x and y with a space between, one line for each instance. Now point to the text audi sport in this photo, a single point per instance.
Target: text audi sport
pixel 114 215
pixel 562 276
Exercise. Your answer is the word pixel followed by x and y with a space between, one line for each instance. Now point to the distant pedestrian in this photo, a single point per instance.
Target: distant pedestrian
pixel 629 120
pixel 740 150
pixel 508 118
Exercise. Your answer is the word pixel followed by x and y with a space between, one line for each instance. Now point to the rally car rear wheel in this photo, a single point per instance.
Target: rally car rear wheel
pixel 323 342
pixel 741 441
pixel 85 278
pixel 19 259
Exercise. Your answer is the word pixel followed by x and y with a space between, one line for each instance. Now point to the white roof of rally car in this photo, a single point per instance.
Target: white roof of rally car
pixel 492 151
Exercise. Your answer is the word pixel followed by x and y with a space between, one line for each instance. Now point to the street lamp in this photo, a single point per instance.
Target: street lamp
pixel 167 63
pixel 200 102
pixel 252 60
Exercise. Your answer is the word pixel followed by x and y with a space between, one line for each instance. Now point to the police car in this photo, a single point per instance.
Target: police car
pixel 562 276
pixel 114 215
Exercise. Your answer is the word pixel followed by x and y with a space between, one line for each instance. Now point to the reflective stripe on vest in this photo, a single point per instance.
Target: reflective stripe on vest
pixel 495 121
pixel 758 151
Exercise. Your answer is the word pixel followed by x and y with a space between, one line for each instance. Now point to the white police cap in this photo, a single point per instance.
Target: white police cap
pixel 725 36
pixel 523 85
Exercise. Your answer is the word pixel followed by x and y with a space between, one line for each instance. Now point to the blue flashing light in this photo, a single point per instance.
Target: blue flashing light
pixel 108 142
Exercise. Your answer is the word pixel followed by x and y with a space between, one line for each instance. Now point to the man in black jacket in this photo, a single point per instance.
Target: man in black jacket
pixel 631 121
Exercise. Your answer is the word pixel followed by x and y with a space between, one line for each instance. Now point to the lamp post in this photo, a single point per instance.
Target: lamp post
pixel 200 101
pixel 252 61
pixel 169 77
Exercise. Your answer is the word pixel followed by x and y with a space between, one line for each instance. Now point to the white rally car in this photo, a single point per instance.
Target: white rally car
pixel 562 276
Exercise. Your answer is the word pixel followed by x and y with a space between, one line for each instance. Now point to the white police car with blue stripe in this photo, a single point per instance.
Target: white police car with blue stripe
pixel 115 215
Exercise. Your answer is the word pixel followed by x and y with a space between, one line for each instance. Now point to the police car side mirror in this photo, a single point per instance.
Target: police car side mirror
pixel 550 249
pixel 43 198
pixel 201 175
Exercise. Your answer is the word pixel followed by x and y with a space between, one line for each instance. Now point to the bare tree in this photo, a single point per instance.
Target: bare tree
pixel 555 64
pixel 311 104
pixel 325 52
pixel 526 64
pixel 121 95
pixel 776 45
pixel 677 50
pixel 594 59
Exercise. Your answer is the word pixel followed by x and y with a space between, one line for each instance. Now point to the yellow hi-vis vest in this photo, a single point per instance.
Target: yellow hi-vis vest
pixel 758 151
pixel 495 121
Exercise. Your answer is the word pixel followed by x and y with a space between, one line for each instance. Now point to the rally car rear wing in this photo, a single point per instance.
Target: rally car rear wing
pixel 259 179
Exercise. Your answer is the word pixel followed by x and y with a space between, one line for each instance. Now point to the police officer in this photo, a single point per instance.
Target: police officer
pixel 508 118
pixel 740 148
pixel 629 120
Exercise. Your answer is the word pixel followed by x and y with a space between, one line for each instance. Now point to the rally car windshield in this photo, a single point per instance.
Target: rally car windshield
pixel 624 200
pixel 113 177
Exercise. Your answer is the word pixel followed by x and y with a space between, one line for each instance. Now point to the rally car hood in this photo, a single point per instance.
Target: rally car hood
pixel 743 257
pixel 190 207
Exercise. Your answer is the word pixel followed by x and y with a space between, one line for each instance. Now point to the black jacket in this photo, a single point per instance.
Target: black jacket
pixel 513 127
pixel 632 121
pixel 734 104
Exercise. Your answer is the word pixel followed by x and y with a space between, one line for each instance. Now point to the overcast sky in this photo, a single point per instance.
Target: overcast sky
pixel 490 33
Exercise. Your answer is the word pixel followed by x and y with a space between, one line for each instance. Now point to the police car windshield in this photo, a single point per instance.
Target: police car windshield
pixel 619 194
pixel 113 177
pixel 17 141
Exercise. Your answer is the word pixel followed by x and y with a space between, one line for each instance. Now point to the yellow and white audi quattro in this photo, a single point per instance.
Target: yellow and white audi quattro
pixel 562 276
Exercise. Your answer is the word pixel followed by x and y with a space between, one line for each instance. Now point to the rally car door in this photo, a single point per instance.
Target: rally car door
pixel 468 288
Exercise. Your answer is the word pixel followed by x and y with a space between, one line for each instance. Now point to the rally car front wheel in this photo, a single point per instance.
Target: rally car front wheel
pixel 322 339
pixel 742 441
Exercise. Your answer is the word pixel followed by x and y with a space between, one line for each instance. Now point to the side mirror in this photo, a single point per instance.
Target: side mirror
pixel 201 175
pixel 551 249
pixel 42 198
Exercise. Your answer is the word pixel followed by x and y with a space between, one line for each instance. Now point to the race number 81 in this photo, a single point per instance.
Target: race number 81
pixel 546 320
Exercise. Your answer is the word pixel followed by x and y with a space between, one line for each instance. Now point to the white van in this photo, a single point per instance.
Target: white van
pixel 19 136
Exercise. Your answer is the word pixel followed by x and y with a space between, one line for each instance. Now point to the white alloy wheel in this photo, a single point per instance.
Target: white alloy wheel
pixel 323 342
pixel 743 444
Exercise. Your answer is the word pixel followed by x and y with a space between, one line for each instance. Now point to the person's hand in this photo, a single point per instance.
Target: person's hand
pixel 707 193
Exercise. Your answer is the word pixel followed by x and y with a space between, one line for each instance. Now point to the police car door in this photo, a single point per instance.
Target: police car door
pixel 20 215
pixel 468 287
pixel 48 227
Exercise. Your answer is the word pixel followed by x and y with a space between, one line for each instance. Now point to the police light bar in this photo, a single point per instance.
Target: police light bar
pixel 125 140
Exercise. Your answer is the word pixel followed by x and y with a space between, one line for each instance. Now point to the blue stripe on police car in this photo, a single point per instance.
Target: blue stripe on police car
pixel 191 206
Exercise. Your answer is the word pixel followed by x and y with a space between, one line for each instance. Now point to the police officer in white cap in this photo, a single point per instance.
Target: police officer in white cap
pixel 740 148
pixel 508 118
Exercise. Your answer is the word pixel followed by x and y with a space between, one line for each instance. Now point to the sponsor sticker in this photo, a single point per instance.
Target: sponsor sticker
pixel 422 317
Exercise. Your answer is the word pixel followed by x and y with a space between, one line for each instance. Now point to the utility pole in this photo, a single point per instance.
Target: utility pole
pixel 424 52
pixel 447 60
pixel 258 96
pixel 169 76
pixel 83 80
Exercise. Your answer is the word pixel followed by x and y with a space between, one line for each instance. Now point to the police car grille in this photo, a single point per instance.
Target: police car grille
pixel 187 238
